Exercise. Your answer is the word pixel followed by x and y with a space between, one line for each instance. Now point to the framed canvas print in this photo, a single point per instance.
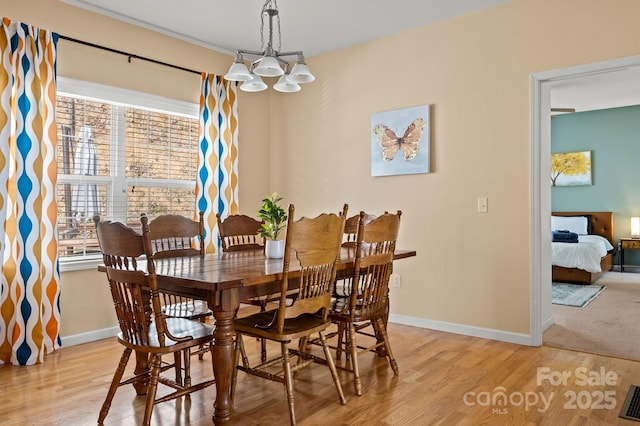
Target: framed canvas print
pixel 400 141
pixel 571 168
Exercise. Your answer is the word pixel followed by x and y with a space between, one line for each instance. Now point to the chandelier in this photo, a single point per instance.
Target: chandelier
pixel 270 62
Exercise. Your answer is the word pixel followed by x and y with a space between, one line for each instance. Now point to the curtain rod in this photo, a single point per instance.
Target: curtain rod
pixel 129 55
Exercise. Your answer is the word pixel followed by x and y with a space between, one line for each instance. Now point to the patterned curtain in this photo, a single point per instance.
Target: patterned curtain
pixel 217 180
pixel 29 281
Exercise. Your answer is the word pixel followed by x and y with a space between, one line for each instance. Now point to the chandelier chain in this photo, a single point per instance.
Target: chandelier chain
pixel 270 4
pixel 279 35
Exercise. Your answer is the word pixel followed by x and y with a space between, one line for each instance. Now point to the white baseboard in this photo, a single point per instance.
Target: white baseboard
pixel 467 330
pixel 89 336
pixel 547 323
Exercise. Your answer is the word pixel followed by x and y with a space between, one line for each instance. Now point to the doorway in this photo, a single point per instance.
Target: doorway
pixel 542 85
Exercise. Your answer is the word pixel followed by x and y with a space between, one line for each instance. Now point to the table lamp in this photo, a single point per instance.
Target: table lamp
pixel 635 227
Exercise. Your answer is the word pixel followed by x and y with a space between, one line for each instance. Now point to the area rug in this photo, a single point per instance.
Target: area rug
pixel 574 294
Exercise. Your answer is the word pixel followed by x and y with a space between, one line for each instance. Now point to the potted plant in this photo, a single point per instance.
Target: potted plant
pixel 274 220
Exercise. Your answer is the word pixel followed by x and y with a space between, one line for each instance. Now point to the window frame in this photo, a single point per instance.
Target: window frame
pixel 117 182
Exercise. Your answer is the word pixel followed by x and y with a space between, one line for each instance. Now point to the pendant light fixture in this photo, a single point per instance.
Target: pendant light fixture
pixel 270 62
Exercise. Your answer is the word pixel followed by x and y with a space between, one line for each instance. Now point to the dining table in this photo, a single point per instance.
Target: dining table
pixel 224 279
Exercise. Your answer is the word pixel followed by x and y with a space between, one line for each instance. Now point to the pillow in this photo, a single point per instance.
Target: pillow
pixel 577 224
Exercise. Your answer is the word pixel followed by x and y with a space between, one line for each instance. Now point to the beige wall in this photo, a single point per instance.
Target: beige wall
pixel 472 269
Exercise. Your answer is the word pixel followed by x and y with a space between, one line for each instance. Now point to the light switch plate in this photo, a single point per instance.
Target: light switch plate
pixel 483 205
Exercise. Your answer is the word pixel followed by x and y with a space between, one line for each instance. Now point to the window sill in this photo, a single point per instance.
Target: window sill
pixel 67 265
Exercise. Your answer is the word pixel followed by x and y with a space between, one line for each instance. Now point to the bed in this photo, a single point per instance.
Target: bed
pixel 579 266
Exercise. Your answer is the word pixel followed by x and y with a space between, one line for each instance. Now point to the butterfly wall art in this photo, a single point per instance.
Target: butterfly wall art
pixel 400 141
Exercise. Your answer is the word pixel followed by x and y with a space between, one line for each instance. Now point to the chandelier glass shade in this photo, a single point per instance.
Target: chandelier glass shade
pixel 269 62
pixel 254 84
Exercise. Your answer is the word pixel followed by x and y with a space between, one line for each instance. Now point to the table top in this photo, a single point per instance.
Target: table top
pixel 630 243
pixel 220 271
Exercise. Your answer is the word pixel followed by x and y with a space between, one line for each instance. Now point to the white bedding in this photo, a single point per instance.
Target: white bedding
pixel 585 254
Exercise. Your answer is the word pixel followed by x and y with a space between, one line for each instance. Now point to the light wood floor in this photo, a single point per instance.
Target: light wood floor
pixel 445 379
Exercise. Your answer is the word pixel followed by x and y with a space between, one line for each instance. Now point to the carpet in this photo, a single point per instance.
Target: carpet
pixel 605 324
pixel 574 294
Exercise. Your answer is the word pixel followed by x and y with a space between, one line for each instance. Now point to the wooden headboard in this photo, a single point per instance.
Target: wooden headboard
pixel 601 222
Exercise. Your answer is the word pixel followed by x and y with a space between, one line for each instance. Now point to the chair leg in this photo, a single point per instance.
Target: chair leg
pixel 201 352
pixel 288 382
pixel 187 368
pixel 263 342
pixel 385 320
pixel 243 352
pixel 156 361
pixel 332 367
pixel 302 344
pixel 380 328
pixel 263 350
pixel 115 383
pixel 201 349
pixel 239 349
pixel 341 331
pixel 302 348
pixel 353 353
pixel 177 360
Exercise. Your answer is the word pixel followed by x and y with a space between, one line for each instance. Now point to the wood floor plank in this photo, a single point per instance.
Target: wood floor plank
pixel 444 379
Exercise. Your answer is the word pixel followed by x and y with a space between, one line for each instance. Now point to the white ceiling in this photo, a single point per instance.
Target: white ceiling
pixel 314 26
pixel 318 27
pixel 599 91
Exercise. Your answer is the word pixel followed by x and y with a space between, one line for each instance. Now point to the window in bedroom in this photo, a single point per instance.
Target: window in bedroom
pixel 120 153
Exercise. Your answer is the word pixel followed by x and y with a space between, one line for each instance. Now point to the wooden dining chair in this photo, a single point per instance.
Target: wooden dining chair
pixel 144 326
pixel 350 231
pixel 368 303
pixel 240 232
pixel 178 236
pixel 342 288
pixel 312 249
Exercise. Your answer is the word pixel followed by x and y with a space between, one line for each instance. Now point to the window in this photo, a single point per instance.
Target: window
pixel 120 154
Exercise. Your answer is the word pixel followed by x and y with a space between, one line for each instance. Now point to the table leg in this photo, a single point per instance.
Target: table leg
pixel 223 356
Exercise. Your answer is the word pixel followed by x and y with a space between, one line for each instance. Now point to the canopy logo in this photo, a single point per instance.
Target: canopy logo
pixel 500 400
pixel 595 399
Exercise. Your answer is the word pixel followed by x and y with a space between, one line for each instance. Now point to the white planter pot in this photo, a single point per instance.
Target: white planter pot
pixel 274 249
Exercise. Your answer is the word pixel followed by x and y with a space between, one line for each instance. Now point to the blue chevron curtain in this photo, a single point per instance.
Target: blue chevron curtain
pixel 217 179
pixel 29 281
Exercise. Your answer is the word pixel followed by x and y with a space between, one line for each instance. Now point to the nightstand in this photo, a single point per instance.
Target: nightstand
pixel 627 244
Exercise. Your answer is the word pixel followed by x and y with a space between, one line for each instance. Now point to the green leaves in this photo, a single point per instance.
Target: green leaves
pixel 274 217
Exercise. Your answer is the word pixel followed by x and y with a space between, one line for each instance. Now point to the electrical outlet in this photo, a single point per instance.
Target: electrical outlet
pixel 396 280
pixel 483 204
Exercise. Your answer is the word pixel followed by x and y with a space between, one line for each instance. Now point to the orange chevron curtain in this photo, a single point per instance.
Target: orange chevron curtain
pixel 217 178
pixel 29 280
